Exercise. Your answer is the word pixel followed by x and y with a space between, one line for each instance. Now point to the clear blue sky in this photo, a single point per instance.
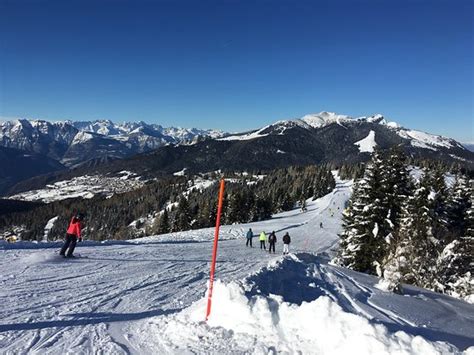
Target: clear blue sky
pixel 241 64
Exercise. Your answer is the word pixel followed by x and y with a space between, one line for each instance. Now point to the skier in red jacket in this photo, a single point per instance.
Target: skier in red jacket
pixel 73 233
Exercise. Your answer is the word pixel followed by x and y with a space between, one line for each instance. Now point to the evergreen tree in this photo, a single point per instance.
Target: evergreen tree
pixel 203 217
pixel 362 246
pixel 456 262
pixel 457 205
pixel 162 224
pixel 436 180
pixel 420 247
pixel 182 219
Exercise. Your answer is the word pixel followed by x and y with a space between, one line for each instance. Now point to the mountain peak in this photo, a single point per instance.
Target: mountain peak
pixel 317 120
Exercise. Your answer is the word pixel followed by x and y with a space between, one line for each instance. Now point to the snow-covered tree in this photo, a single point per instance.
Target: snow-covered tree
pixel 457 205
pixel 362 245
pixel 456 264
pixel 435 179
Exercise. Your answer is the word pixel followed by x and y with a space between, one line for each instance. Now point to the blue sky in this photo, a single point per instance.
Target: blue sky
pixel 238 65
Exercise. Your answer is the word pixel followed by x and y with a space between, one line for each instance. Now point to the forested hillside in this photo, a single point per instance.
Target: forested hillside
pixel 418 230
pixel 180 203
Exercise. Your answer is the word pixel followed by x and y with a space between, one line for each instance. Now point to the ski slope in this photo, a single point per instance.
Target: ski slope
pixel 147 296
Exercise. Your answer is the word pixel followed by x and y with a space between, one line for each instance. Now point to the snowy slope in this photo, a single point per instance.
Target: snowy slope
pixel 368 144
pixel 86 186
pixel 147 296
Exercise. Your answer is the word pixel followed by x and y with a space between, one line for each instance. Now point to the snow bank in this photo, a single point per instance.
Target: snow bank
pixel 247 317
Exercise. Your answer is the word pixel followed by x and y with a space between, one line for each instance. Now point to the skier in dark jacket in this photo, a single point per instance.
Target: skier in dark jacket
pixel 272 239
pixel 249 238
pixel 286 243
pixel 73 234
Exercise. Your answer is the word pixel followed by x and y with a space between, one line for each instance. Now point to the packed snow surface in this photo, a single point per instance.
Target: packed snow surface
pixel 148 296
pixel 368 144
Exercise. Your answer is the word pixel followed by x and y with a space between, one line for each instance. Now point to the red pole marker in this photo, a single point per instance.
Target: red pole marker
pixel 214 250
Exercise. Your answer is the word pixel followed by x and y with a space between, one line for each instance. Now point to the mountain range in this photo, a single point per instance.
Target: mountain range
pixel 79 148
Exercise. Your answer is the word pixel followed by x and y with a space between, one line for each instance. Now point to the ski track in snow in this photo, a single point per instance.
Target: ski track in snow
pixel 128 297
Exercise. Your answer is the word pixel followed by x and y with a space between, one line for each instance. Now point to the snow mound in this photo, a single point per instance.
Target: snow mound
pixel 255 316
pixel 367 144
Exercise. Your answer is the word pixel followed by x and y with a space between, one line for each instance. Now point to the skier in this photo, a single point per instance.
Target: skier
pixel 272 239
pixel 286 243
pixel 320 224
pixel 262 239
pixel 73 234
pixel 249 238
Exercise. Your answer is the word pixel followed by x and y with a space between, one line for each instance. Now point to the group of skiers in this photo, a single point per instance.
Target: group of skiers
pixel 73 235
pixel 271 240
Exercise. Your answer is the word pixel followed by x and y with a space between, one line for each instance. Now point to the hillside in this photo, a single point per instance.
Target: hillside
pixel 313 139
pixel 148 296
pixel 17 165
pixel 57 145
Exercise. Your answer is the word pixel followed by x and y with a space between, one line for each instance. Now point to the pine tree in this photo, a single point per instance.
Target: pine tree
pixel 417 238
pixel 203 217
pixel 362 246
pixel 456 262
pixel 457 205
pixel 162 224
pixel 436 180
pixel 182 219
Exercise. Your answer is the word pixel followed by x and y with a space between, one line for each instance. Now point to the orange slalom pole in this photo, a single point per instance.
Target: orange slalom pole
pixel 214 250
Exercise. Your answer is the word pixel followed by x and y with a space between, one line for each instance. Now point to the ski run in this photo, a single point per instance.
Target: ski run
pixel 148 296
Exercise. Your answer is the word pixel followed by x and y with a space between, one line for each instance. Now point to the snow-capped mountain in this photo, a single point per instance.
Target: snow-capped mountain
pixel 323 119
pixel 324 137
pixel 60 140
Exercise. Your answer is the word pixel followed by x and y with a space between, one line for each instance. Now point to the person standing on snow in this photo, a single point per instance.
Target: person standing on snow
pixel 263 238
pixel 272 239
pixel 249 238
pixel 286 243
pixel 73 234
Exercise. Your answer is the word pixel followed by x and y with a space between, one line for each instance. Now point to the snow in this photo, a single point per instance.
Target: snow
pixel 82 137
pixel 48 227
pixel 148 296
pixel 199 184
pixel 244 137
pixel 458 158
pixel 180 173
pixel 425 140
pixel 367 144
pixel 86 186
pixel 324 118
